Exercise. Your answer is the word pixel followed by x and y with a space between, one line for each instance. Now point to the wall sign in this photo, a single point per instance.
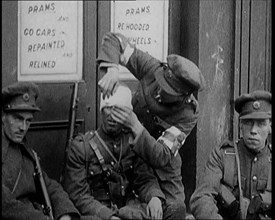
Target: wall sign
pixel 50 40
pixel 145 23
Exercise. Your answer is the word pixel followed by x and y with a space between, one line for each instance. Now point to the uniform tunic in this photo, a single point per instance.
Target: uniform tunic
pixel 220 170
pixel 156 117
pixel 21 198
pixel 84 178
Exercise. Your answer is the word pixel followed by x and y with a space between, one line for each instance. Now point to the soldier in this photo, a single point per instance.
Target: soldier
pixel 104 177
pixel 237 179
pixel 163 102
pixel 22 194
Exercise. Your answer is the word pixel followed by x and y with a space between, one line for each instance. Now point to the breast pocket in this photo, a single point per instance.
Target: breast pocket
pixel 261 185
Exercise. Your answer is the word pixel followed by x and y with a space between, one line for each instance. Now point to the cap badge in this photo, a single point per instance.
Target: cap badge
pixel 256 105
pixel 26 97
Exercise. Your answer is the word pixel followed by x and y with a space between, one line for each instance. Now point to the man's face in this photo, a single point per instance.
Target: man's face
pixel 255 132
pixel 109 125
pixel 16 124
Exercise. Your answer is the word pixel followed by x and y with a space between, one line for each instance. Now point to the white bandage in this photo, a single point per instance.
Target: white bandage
pixel 122 96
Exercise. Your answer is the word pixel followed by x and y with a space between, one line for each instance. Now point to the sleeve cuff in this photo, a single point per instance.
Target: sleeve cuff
pixel 154 193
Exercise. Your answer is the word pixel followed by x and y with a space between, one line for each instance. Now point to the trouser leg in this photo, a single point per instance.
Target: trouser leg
pixel 174 210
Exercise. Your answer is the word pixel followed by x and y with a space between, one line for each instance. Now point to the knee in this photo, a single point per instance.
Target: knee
pixel 175 209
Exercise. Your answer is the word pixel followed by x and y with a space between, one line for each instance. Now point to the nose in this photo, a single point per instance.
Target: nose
pixel 254 128
pixel 23 125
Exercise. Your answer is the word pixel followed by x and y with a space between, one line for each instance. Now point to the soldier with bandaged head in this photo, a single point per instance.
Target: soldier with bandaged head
pixel 104 177
pixel 164 105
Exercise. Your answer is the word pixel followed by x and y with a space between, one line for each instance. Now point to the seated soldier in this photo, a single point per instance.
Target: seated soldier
pixel 23 195
pixel 236 183
pixel 104 177
pixel 163 102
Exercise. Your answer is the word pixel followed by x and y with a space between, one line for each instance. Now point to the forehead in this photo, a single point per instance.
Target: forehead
pixel 20 114
pixel 257 120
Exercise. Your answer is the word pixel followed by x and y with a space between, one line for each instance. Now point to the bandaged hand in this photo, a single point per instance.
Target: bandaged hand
pixel 154 208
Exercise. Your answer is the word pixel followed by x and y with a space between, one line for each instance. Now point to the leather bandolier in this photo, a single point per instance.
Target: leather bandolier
pixel 115 182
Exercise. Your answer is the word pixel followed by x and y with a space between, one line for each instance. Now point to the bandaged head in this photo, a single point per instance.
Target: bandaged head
pixel 122 96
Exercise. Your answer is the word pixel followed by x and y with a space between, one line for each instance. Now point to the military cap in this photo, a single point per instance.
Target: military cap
pixel 20 96
pixel 254 105
pixel 181 78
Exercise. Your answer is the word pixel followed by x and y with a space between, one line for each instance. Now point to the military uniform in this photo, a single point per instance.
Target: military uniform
pixel 21 198
pixel 85 179
pixel 157 116
pixel 220 170
pixel 236 182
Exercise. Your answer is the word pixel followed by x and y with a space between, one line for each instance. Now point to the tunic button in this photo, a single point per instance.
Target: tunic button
pixel 112 163
pixel 254 178
pixel 92 173
pixel 115 146
pixel 255 159
pixel 148 111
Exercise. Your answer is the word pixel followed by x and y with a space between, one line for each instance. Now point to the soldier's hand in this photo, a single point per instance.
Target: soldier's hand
pixel 115 218
pixel 65 217
pixel 109 82
pixel 128 212
pixel 154 208
pixel 128 118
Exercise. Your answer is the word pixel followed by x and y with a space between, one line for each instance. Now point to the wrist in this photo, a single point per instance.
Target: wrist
pixel 137 129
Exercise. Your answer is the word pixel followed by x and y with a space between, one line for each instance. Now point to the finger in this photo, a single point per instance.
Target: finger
pixel 115 86
pixel 147 210
pixel 118 118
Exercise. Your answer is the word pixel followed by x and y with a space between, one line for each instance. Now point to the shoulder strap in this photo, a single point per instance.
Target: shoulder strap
pixel 99 156
pixel 105 147
pixel 229 166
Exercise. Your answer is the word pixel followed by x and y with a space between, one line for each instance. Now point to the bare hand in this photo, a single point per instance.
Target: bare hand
pixel 115 218
pixel 65 217
pixel 128 118
pixel 154 208
pixel 109 82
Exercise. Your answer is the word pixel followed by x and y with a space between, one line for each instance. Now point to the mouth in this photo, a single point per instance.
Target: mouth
pixel 253 140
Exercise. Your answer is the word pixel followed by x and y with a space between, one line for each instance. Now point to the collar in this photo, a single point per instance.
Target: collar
pixel 109 138
pixel 251 154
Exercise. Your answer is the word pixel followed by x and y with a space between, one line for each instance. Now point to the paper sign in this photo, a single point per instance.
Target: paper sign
pixel 145 23
pixel 50 40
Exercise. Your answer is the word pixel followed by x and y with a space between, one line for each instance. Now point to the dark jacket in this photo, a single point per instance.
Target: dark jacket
pixel 155 117
pixel 84 176
pixel 220 170
pixel 21 198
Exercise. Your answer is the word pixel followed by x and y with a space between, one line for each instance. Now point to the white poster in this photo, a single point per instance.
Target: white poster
pixel 50 40
pixel 145 23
